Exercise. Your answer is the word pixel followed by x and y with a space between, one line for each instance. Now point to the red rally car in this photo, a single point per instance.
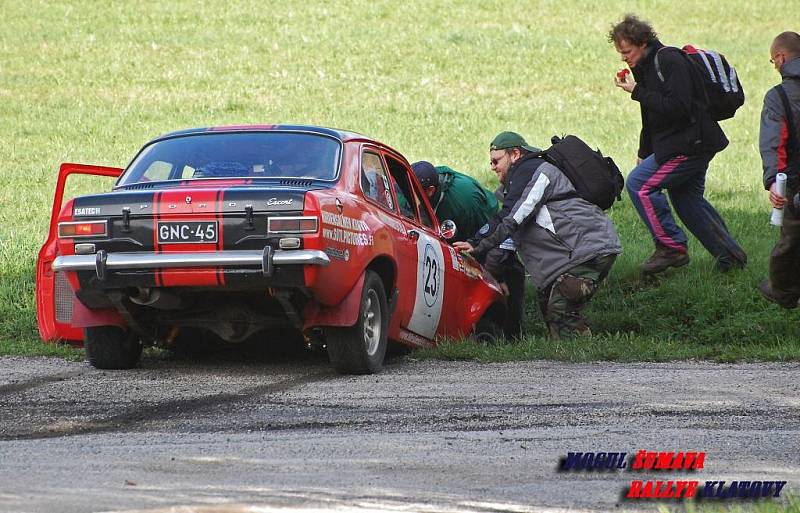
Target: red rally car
pixel 235 230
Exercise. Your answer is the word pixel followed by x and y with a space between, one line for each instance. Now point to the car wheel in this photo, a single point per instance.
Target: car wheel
pixel 112 347
pixel 488 332
pixel 360 349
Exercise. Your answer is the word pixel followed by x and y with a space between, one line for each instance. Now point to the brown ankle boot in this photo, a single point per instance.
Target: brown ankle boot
pixel 766 290
pixel 663 258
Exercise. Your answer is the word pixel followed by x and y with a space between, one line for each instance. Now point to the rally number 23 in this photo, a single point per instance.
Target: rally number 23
pixel 431 276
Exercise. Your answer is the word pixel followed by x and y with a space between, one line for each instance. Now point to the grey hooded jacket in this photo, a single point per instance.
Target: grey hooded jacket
pixel 554 230
pixel 773 133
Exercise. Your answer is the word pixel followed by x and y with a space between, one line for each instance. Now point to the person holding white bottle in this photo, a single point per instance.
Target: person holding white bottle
pixel 779 144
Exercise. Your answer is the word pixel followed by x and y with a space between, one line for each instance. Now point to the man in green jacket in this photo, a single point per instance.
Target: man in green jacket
pixel 463 200
pixel 457 197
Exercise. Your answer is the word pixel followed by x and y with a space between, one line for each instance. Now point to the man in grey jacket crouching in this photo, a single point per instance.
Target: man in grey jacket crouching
pixel 568 245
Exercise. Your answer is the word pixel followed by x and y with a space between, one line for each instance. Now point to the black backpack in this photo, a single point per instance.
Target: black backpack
pixel 723 91
pixel 596 178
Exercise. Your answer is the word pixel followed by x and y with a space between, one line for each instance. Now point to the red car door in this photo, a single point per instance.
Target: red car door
pixel 54 295
pixel 434 272
pixel 378 187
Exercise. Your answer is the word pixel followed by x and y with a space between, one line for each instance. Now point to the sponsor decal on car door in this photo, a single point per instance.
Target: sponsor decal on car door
pixel 430 287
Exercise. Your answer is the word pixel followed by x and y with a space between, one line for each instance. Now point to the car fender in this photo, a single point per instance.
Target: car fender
pixel 496 310
pixel 343 314
pixel 483 297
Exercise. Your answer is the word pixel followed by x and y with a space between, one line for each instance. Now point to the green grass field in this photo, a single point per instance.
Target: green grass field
pixel 91 82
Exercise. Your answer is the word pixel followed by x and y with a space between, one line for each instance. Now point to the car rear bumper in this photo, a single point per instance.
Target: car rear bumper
pixel 267 259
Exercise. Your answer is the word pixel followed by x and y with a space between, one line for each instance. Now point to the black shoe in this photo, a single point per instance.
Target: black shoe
pixel 735 259
pixel 767 292
pixel 724 265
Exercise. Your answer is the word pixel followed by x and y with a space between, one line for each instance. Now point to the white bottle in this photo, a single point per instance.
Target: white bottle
pixel 780 189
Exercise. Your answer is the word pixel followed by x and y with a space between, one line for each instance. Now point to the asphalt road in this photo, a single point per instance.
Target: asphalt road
pixel 239 436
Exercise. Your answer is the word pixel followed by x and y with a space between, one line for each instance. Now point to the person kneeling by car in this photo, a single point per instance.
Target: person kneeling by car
pixel 568 245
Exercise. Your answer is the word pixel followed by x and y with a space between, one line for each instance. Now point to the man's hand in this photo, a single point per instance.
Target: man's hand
pixel 626 84
pixel 463 247
pixel 777 200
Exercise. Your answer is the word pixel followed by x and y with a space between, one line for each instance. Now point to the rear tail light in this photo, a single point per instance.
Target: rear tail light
pixel 292 224
pixel 83 229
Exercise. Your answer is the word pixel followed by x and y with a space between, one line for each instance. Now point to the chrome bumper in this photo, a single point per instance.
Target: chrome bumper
pixel 102 261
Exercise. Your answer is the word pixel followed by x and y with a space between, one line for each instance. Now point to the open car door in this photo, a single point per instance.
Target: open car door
pixel 54 295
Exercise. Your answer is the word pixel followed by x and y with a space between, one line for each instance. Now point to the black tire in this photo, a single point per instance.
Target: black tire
pixel 360 349
pixel 488 332
pixel 112 347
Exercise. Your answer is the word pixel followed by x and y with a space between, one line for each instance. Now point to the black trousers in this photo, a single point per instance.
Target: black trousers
pixel 506 268
pixel 784 261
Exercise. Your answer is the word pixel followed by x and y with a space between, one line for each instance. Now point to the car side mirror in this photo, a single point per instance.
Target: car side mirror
pixel 448 229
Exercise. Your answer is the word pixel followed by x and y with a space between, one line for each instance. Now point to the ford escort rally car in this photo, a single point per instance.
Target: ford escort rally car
pixel 240 229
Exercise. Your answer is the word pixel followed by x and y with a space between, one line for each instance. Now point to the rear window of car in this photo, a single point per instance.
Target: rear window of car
pixel 236 155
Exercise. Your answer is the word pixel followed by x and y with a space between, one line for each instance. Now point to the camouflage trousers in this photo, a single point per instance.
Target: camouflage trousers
pixel 561 303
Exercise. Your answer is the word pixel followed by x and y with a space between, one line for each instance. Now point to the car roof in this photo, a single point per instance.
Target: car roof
pixel 342 135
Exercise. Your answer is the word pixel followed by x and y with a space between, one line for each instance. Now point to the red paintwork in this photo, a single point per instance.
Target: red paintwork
pixel 183 210
pixel 49 328
pixel 311 208
pixel 385 242
pixel 338 286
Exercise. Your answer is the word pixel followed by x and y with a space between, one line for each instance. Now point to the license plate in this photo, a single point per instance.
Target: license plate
pixel 170 232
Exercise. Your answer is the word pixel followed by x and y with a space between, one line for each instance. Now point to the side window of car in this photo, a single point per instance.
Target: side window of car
pixel 402 189
pixel 406 193
pixel 403 202
pixel 424 216
pixel 374 181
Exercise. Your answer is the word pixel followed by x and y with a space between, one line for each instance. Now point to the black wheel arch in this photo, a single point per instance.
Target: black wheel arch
pixel 495 312
pixel 386 269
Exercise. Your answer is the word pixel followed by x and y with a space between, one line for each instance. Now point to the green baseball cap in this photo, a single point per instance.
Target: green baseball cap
pixel 506 140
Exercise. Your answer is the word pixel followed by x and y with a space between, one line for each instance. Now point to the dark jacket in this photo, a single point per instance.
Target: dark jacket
pixel 773 136
pixel 554 229
pixel 517 178
pixel 674 117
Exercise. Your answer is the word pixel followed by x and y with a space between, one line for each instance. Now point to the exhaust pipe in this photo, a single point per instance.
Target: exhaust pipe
pixel 156 298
